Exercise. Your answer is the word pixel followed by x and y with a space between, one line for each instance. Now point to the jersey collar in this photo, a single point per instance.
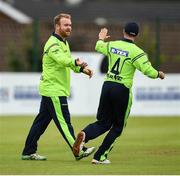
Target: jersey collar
pixel 58 37
pixel 127 40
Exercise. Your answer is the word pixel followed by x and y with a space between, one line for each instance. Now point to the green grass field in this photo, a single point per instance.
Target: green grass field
pixel 147 146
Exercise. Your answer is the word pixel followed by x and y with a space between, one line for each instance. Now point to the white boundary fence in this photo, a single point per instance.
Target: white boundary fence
pixel 19 92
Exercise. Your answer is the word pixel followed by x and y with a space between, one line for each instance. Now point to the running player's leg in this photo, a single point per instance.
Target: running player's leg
pixel 119 101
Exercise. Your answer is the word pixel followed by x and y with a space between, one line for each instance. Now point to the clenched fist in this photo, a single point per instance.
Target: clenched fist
pixel 88 72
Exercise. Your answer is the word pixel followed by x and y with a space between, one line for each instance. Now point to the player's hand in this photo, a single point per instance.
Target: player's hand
pixel 81 63
pixel 161 75
pixel 88 72
pixel 103 34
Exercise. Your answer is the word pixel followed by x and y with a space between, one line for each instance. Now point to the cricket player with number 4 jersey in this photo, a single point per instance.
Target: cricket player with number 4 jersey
pixel 124 57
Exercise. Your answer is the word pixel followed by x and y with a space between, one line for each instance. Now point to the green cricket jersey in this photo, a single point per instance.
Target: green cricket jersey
pixel 124 58
pixel 57 63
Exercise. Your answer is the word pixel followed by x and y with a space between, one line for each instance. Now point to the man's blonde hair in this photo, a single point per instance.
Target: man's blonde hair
pixel 59 16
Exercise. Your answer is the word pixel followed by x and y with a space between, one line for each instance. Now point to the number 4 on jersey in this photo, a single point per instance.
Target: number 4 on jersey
pixel 115 68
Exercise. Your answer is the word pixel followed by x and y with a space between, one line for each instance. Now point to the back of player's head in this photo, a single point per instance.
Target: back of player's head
pixel 132 29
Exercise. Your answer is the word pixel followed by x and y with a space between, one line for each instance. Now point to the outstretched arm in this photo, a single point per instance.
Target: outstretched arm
pixel 142 63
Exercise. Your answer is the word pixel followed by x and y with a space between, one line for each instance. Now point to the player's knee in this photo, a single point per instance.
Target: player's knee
pixel 105 126
pixel 118 130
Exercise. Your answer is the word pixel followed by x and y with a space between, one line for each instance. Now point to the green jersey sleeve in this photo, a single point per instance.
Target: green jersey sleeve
pixel 60 56
pixel 142 63
pixel 57 54
pixel 102 47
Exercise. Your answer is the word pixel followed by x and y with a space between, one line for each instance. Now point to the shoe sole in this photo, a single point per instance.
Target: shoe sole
pixel 34 159
pixel 101 163
pixel 30 158
pixel 78 141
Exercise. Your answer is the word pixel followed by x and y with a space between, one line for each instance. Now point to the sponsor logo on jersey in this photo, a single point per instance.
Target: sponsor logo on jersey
pixel 119 52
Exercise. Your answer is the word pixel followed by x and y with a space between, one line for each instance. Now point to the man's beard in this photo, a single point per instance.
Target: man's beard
pixel 65 34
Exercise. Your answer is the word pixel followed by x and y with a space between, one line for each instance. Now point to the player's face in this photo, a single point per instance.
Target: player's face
pixel 65 27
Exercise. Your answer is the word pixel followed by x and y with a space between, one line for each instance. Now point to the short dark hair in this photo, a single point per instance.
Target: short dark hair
pixel 132 28
pixel 59 16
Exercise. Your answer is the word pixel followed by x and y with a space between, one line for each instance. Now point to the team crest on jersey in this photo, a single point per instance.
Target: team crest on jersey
pixel 119 52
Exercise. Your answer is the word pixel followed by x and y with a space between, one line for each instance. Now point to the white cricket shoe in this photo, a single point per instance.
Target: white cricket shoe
pixel 85 153
pixel 106 161
pixel 33 156
pixel 89 151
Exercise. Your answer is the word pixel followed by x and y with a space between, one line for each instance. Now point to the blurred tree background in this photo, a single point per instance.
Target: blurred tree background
pixel 22 45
